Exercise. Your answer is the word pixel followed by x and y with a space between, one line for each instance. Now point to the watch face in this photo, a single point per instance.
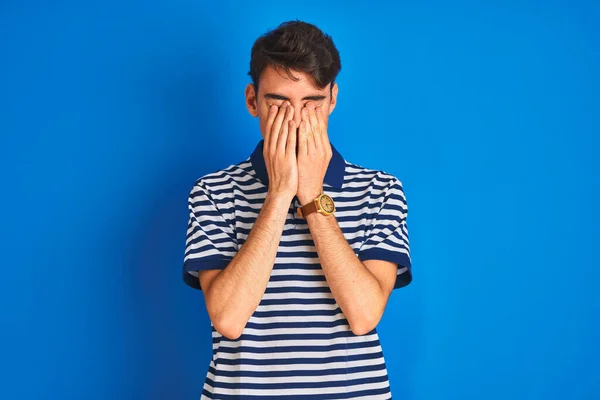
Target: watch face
pixel 327 203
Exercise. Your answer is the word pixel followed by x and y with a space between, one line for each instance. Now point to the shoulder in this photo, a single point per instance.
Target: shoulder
pixel 224 180
pixel 384 189
pixel 376 179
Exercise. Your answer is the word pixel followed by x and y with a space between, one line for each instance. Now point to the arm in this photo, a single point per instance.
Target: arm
pixel 233 294
pixel 361 289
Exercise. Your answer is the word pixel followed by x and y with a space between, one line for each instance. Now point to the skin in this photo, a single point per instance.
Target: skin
pixel 293 118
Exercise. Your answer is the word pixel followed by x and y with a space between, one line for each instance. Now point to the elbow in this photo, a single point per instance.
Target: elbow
pixel 223 321
pixel 228 327
pixel 365 324
pixel 361 329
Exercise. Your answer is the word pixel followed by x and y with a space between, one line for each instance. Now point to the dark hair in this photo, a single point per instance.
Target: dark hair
pixel 296 45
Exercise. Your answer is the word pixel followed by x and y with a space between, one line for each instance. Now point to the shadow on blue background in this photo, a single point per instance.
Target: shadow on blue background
pixel 488 114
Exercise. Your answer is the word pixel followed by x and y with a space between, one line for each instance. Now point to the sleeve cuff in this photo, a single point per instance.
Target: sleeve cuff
pixel 404 276
pixel 192 266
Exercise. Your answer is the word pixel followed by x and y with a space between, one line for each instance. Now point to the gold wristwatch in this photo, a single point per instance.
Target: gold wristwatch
pixel 323 204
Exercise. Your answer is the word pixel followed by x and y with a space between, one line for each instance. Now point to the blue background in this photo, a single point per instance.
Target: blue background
pixel 489 114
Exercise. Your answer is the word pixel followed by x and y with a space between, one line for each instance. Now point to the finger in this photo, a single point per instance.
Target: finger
pixel 276 128
pixel 270 118
pixel 302 138
pixel 306 118
pixel 310 136
pixel 320 111
pixel 292 138
pixel 314 124
pixel 282 139
pixel 323 144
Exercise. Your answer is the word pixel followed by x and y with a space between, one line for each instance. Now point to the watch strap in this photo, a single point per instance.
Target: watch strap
pixel 308 208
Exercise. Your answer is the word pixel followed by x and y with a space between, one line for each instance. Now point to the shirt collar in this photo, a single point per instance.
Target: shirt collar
pixel 333 177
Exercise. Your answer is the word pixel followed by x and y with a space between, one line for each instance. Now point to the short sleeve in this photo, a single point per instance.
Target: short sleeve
pixel 211 241
pixel 386 237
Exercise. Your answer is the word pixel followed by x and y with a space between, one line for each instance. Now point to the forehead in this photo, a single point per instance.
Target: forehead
pixel 277 81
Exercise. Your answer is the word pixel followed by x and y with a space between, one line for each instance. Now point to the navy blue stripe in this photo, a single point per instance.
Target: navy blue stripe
pixel 299 360
pixel 320 396
pixel 209 247
pixel 216 262
pixel 268 302
pixel 308 348
pixel 305 278
pixel 339 206
pixel 290 336
pixel 211 232
pixel 303 266
pixel 306 324
pixel 240 208
pixel 361 196
pixel 354 178
pixel 227 191
pixel 296 289
pixel 212 240
pixel 300 385
pixel 237 171
pixel 295 243
pixel 304 230
pixel 353 218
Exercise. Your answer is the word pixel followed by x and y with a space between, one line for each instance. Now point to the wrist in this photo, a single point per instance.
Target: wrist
pixel 279 198
pixel 307 197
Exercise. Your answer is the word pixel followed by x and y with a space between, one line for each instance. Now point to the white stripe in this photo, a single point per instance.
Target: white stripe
pixel 196 244
pixel 297 271
pixel 303 391
pixel 293 283
pixel 292 355
pixel 209 252
pixel 291 307
pixel 295 318
pixel 295 331
pixel 296 342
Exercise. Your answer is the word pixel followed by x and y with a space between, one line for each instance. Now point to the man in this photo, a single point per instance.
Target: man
pixel 296 249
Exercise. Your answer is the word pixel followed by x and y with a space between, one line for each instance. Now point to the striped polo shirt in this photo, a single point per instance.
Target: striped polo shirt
pixel 297 343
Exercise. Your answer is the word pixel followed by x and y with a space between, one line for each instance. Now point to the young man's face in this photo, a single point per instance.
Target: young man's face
pixel 275 87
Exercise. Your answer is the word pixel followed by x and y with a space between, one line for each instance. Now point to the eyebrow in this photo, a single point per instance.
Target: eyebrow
pixel 275 96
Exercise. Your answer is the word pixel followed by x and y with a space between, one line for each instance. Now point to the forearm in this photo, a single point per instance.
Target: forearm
pixel 236 291
pixel 355 289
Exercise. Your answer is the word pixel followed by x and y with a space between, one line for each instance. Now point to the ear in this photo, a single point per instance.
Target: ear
pixel 334 93
pixel 251 100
